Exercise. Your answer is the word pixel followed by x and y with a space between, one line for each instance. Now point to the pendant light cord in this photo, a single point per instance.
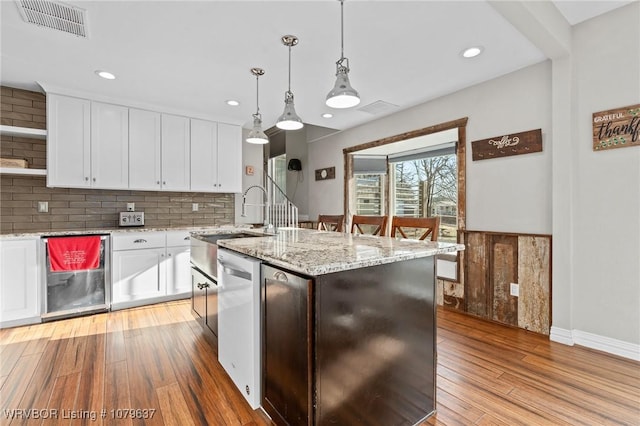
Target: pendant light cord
pixel 289 69
pixel 341 29
pixel 257 98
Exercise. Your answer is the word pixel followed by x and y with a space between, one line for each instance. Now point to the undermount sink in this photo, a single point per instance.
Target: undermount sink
pixel 214 238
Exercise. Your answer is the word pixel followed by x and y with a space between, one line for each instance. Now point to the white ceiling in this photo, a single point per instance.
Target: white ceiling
pixel 191 56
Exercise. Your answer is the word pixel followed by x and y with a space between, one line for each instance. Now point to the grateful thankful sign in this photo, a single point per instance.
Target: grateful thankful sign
pixel 616 128
pixel 507 145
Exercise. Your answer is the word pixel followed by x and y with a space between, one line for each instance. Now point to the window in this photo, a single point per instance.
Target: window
pixel 369 194
pixel 428 186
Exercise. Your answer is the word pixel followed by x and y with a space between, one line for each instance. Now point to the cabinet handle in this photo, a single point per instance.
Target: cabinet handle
pixel 169 254
pixel 140 240
pixel 187 238
pixel 157 182
pixel 202 285
pixel 94 179
pixel 86 178
pixel 164 182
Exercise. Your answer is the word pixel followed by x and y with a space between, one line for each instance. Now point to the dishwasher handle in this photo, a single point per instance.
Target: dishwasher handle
pixel 235 272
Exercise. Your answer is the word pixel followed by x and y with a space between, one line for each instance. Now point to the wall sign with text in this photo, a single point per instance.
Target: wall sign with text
pixel 616 128
pixel 506 145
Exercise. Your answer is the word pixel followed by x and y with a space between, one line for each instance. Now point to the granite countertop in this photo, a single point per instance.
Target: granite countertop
pixel 192 229
pixel 316 253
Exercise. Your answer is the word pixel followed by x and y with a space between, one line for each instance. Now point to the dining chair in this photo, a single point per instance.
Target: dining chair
pixel 380 222
pixel 431 226
pixel 330 222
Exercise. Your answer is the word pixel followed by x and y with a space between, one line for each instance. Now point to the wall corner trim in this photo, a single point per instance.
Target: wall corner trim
pixel 595 341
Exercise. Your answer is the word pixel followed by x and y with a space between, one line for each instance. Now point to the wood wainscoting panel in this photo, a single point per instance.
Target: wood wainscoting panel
pixel 534 277
pixel 503 272
pixel 476 274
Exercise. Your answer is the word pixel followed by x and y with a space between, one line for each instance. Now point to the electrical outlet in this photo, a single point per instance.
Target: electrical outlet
pixel 131 207
pixel 194 207
pixel 514 289
pixel 43 206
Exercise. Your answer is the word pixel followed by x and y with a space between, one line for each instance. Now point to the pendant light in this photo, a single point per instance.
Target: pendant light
pixel 289 120
pixel 256 135
pixel 342 95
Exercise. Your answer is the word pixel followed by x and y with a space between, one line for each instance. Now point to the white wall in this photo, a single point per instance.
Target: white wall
pixel 606 199
pixel 511 194
pixel 252 155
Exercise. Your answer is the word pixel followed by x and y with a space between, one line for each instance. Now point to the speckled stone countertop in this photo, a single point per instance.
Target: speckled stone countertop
pixel 193 229
pixel 320 252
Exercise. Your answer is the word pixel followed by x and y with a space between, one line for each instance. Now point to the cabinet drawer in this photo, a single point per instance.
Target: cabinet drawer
pixel 138 240
pixel 178 238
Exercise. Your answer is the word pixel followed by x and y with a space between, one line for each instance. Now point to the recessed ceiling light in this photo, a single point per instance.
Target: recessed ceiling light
pixel 327 115
pixel 472 52
pixel 106 75
pixel 231 102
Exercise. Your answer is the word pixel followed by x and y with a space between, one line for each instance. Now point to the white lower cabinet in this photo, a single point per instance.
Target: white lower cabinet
pixel 19 282
pixel 146 270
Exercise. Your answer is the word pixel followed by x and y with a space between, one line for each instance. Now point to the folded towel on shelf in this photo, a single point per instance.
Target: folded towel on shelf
pixel 74 253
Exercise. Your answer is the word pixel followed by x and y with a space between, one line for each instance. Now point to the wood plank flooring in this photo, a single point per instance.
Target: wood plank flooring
pixel 155 360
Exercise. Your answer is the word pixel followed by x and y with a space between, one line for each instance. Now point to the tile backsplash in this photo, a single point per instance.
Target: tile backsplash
pixel 70 208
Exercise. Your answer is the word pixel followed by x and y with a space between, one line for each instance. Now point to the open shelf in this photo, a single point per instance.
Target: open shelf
pixel 23 172
pixel 23 132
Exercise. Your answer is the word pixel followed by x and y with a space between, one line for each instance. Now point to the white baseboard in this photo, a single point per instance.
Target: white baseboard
pixel 595 341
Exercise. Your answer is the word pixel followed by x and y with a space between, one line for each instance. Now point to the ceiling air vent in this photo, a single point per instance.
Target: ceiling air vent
pixel 378 107
pixel 54 15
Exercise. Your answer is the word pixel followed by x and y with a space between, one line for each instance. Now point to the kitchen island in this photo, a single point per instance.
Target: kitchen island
pixel 348 327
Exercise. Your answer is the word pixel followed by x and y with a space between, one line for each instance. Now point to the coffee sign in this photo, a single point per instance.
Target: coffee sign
pixel 507 145
pixel 616 128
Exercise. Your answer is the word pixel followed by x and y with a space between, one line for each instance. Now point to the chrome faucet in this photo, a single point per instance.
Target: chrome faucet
pixel 265 204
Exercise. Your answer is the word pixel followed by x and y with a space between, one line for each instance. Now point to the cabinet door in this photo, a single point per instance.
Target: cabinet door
pixel 68 141
pixel 109 146
pixel 144 150
pixel 178 270
pixel 204 149
pixel 19 282
pixel 138 275
pixel 175 153
pixel 229 158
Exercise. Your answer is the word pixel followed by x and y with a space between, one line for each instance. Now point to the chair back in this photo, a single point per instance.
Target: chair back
pixel 379 221
pixel 431 226
pixel 331 222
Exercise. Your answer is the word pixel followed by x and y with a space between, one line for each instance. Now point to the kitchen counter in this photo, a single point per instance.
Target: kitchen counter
pixel 316 253
pixel 71 232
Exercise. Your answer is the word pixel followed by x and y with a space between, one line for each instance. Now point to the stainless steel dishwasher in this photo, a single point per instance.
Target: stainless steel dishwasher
pixel 239 321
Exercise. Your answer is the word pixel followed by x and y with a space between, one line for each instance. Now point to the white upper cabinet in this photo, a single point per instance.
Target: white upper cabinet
pixel 144 150
pixel 216 157
pixel 109 146
pixel 68 142
pixel 204 153
pixel 94 144
pixel 229 158
pixel 176 160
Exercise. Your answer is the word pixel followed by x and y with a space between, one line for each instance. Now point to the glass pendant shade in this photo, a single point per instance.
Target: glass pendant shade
pixel 289 120
pixel 342 95
pixel 256 135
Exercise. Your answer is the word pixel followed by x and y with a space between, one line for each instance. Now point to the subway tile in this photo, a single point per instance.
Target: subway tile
pixel 66 211
pixel 6 228
pixel 82 217
pixel 32 124
pixel 31 227
pixel 7 211
pixel 101 224
pixel 84 204
pixel 50 218
pixel 27 94
pixel 6 106
pixel 13 203
pixel 28 109
pixel 6 121
pixel 109 204
pixel 67 225
pixel 68 197
pixel 15 218
pixel 6 91
pixel 127 198
pixel 157 199
pixel 24 211
pixel 16 189
pixel 44 189
pixel 18 116
pixel 12 100
pixel 101 210
pixel 34 197
pixel 100 197
pixel 42 105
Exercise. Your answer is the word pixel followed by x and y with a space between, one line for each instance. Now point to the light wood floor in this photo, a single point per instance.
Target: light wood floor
pixel 155 358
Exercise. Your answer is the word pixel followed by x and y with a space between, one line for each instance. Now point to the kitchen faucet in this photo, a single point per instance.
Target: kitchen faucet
pixel 265 204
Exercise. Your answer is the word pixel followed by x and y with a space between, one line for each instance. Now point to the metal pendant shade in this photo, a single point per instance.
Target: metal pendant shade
pixel 256 135
pixel 289 120
pixel 342 95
